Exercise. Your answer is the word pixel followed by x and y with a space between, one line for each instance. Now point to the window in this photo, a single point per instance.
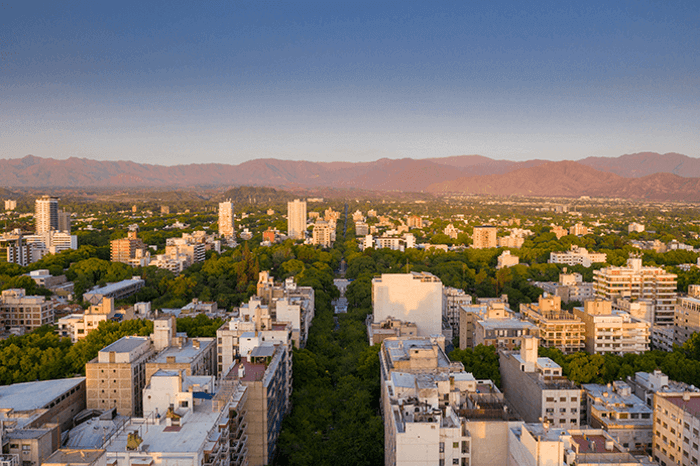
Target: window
pixel 442 447
pixel 455 444
pixel 26 447
pixel 455 461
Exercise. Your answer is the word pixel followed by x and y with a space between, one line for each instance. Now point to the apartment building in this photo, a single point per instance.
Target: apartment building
pixel 537 388
pixel 635 227
pixel 126 249
pixel 323 234
pixel 435 412
pixel 502 333
pixel 469 314
pixel 451 231
pixel 620 413
pixel 188 421
pixel 117 376
pixel 10 204
pixel 645 384
pixel 506 259
pixel 118 290
pixel 559 328
pixel 226 220
pixel 577 256
pixel 17 310
pixel 412 297
pixel 640 282
pixel 686 319
pixel 484 237
pixel 452 301
pixel 377 332
pixel 414 221
pixel 676 428
pixel 559 231
pixel 296 219
pixel 612 331
pixel 78 326
pixel 510 241
pixel 46 214
pixel 361 229
pixel 49 242
pixel 579 230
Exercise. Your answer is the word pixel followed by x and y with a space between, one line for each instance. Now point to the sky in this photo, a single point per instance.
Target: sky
pixel 176 82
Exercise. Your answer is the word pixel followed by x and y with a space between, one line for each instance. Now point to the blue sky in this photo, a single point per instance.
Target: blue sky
pixel 184 82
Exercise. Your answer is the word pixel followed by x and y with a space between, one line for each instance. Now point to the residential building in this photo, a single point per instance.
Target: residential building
pixel 414 221
pixel 452 301
pixel 165 210
pixel 569 288
pixel 559 328
pixel 265 369
pixel 178 352
pixel 125 249
pixel 226 221
pixel 117 376
pixel 361 229
pixel 451 231
pixel 559 231
pixel 17 310
pixel 646 384
pixel 542 444
pixel 10 204
pixel 640 282
pixel 412 297
pixel 188 421
pixel 118 290
pixel 46 214
pixel 377 332
pixel 470 313
pixel 510 241
pixel 507 260
pixel 537 388
pixel 577 256
pixel 635 227
pixel 64 221
pixel 620 413
pixel 686 320
pixel 579 230
pixel 78 326
pixel 676 428
pixel 502 333
pixel 484 237
pixel 323 234
pixel 296 219
pixel 49 242
pixel 612 331
pixel 434 412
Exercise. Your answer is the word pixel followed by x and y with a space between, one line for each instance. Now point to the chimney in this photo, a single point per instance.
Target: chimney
pixel 241 371
pixel 170 359
pixel 195 343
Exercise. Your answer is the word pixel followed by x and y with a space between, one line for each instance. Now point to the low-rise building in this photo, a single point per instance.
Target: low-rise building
pixel 612 331
pixel 17 310
pixel 559 328
pixel 570 287
pixel 537 388
pixel 507 260
pixel 502 333
pixel 118 290
pixel 377 332
pixel 470 313
pixel 645 384
pixel 577 256
pixel 619 412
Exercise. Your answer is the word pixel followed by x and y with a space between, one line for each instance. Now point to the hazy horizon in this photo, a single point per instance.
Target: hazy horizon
pixel 176 83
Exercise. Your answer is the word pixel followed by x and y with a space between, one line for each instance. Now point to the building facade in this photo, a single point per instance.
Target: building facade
pixel 46 214
pixel 484 237
pixel 296 219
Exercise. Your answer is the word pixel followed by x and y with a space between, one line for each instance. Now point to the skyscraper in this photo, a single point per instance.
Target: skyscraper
pixel 296 219
pixel 226 228
pixel 46 215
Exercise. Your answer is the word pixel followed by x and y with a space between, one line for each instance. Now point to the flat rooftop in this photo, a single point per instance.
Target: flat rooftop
pixel 35 395
pixel 125 344
pixel 92 433
pixel 398 350
pixel 592 444
pixel 188 438
pixel 113 287
pixel 494 324
pixel 692 405
pixel 73 456
pixel 186 354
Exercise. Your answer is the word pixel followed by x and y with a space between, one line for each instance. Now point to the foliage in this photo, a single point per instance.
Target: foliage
pixel 482 361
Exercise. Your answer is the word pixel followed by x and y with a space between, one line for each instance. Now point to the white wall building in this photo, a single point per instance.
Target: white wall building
pixel 413 297
pixel 296 219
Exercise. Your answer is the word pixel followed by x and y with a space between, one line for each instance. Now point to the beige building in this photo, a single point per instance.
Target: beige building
pixel 577 256
pixel 558 328
pixel 377 332
pixel 612 331
pixel 510 241
pixel 636 281
pixel 452 301
pixel 27 313
pixel 469 314
pixel 116 378
pixel 90 321
pixel 410 297
pixel 414 221
pixel 506 259
pixel 676 428
pixel 46 214
pixel 126 249
pixel 484 237
pixel 560 232
pixel 226 225
pixel 686 319
pixel 502 333
pixel 296 219
pixel 537 388
pixel 323 234
pixel 579 230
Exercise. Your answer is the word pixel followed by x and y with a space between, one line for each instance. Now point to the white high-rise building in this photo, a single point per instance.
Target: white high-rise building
pixel 296 219
pixel 46 214
pixel 226 227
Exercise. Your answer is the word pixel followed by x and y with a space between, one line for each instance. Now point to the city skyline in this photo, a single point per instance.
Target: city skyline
pixel 173 84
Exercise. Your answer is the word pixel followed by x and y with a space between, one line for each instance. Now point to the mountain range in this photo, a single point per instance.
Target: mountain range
pixel 646 175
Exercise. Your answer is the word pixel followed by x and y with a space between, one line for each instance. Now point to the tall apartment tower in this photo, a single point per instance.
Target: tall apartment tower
pixel 484 237
pixel 226 227
pixel 296 219
pixel 46 214
pixel 64 221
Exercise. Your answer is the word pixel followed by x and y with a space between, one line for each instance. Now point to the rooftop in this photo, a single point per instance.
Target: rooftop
pixel 35 395
pixel 398 350
pixel 593 444
pixel 125 344
pixel 492 324
pixel 185 354
pixel 72 456
pixel 112 287
pixel 692 405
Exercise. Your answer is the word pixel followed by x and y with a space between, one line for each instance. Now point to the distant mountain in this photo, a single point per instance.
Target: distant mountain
pixel 645 164
pixel 574 179
pixel 645 175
